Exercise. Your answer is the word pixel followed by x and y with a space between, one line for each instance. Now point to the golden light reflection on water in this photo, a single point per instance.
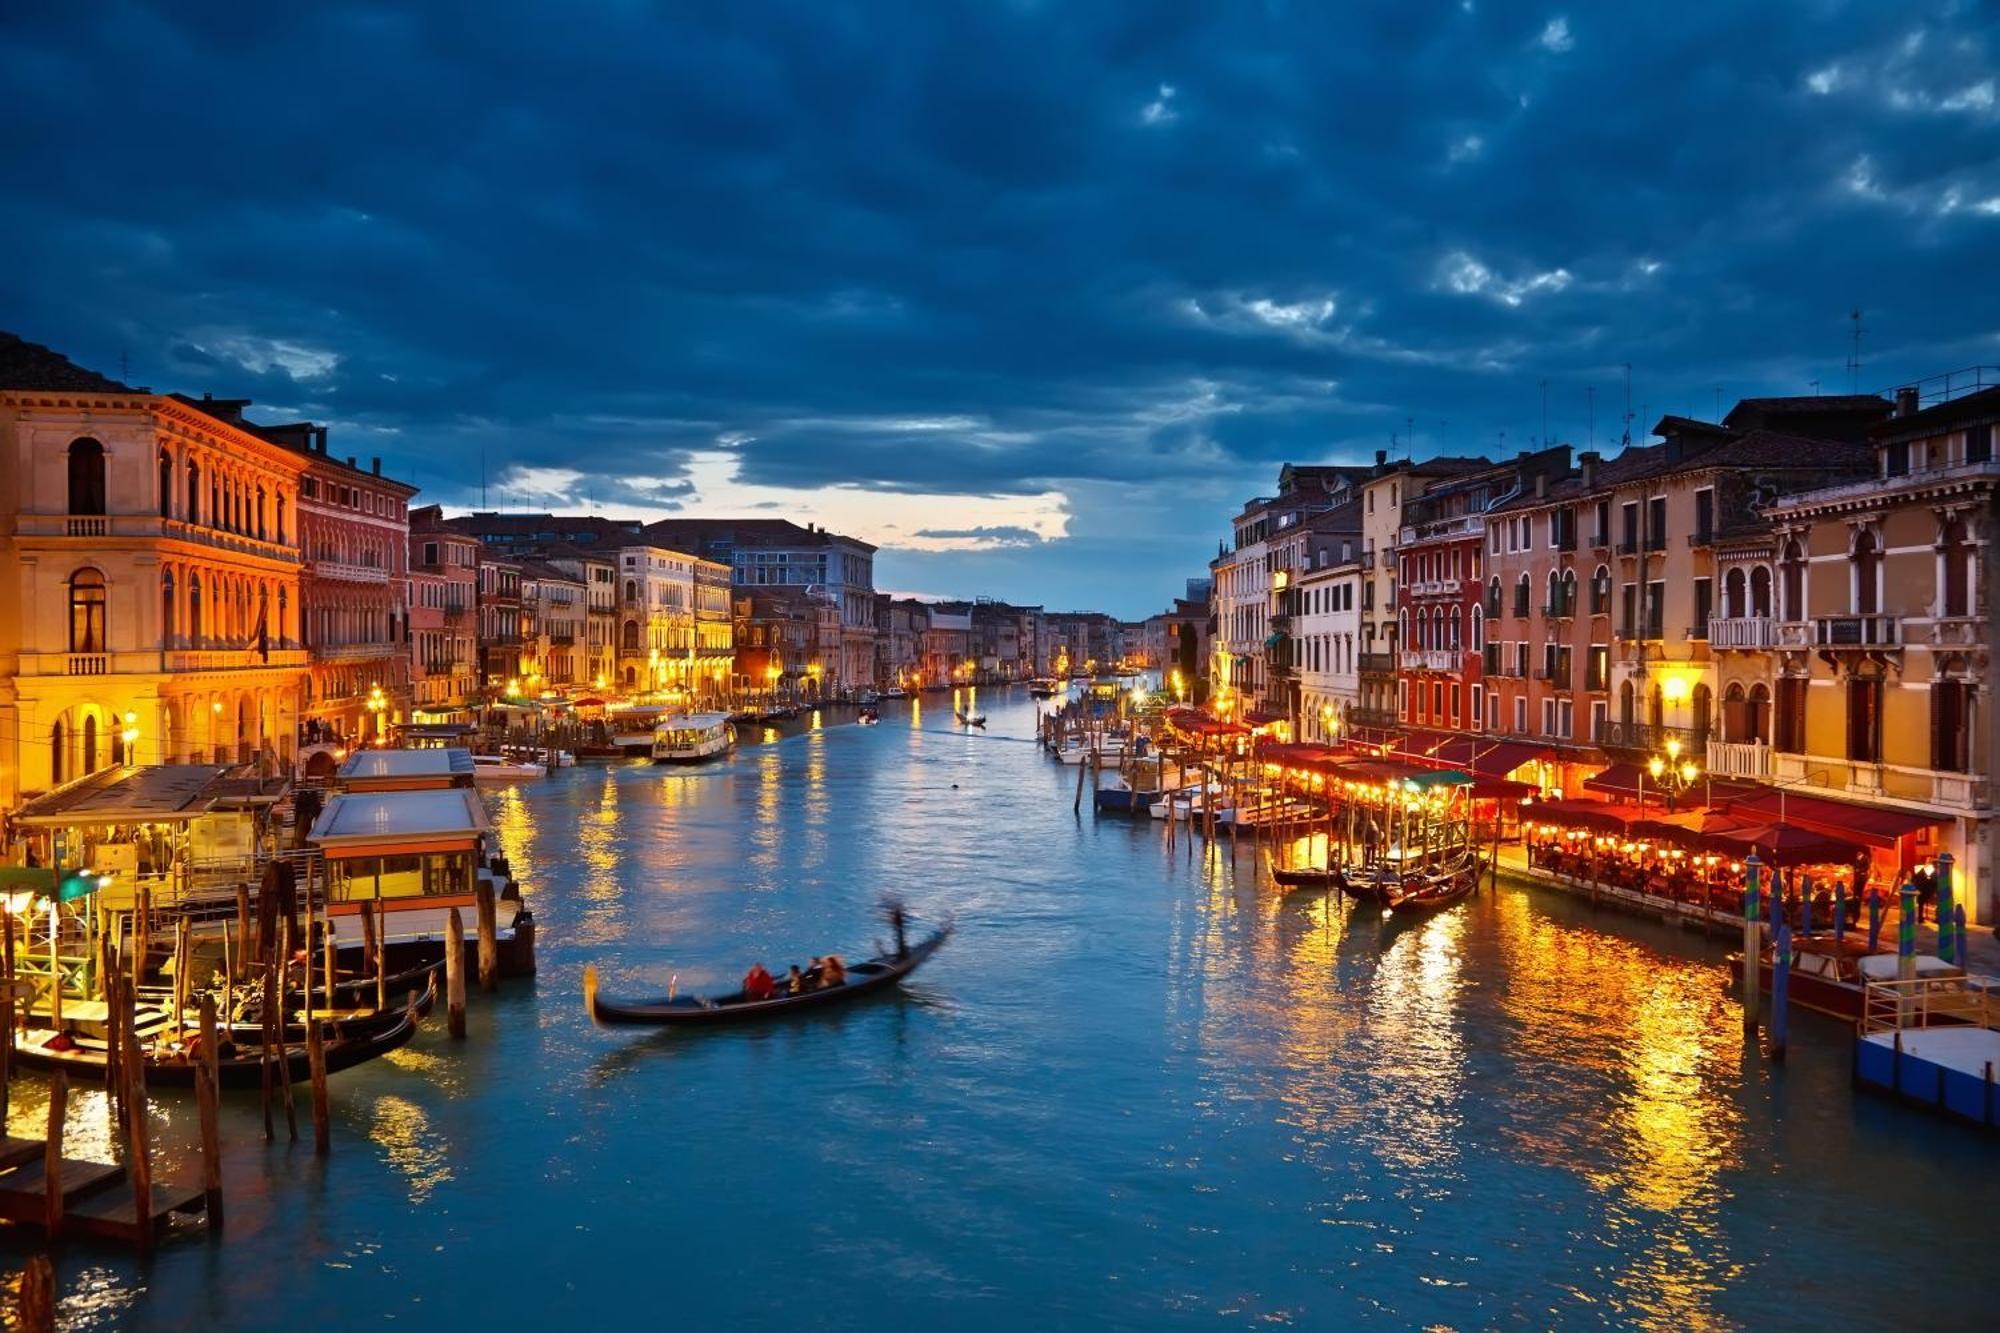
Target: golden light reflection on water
pixel 1595 1009
pixel 412 1147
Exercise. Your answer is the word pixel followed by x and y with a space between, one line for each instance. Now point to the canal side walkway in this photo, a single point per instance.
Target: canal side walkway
pixel 1982 948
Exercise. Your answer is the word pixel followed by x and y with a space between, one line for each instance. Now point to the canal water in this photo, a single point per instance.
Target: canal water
pixel 1136 1090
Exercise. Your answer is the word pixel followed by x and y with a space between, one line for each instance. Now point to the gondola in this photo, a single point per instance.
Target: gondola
pixel 876 974
pixel 1310 877
pixel 1436 893
pixel 244 1069
pixel 356 1022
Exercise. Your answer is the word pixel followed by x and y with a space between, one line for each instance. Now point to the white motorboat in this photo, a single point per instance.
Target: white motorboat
pixel 692 738
pixel 497 768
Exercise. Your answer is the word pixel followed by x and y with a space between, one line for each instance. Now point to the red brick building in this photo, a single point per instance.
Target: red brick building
pixel 1440 614
pixel 444 625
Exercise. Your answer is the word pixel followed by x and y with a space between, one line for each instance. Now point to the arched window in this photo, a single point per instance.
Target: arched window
pixel 58 753
pixel 1600 592
pixel 1521 594
pixel 281 520
pixel 166 485
pixel 631 639
pixel 167 608
pixel 1735 714
pixel 284 634
pixel 1625 705
pixel 1699 704
pixel 1478 631
pixel 1733 604
pixel 1553 605
pixel 193 514
pixel 1568 604
pixel 1656 707
pixel 86 476
pixel 88 759
pixel 195 628
pixel 86 611
pixel 1457 627
pixel 1955 553
pixel 1867 565
pixel 1493 597
pixel 218 517
pixel 631 590
pixel 260 513
pixel 1793 567
pixel 1760 591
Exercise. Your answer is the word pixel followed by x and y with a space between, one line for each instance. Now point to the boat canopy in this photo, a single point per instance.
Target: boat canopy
pixel 400 822
pixel 405 770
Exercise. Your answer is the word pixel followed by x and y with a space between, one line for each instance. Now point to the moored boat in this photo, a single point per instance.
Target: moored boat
pixel 1309 877
pixel 1830 974
pixel 864 978
pixel 692 738
pixel 1425 893
pixel 491 769
pixel 971 720
pixel 241 1067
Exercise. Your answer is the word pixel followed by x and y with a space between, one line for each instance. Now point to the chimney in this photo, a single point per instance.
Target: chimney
pixel 1906 401
pixel 375 465
pixel 1381 458
pixel 1589 460
pixel 1541 485
pixel 350 460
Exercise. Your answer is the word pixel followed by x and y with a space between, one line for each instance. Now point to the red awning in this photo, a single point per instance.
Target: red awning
pixel 1478 755
pixel 1874 825
pixel 1631 782
pixel 1793 845
pixel 1501 789
pixel 1596 815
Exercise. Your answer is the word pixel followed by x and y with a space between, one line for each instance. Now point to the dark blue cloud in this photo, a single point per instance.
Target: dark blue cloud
pixel 1137 256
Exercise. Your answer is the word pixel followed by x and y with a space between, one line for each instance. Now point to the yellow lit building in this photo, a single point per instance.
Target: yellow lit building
pixel 149 579
pixel 1884 630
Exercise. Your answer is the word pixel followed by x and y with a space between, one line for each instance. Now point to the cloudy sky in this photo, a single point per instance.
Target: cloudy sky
pixel 1032 294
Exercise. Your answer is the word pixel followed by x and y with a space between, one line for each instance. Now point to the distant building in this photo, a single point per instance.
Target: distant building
pixel 445 641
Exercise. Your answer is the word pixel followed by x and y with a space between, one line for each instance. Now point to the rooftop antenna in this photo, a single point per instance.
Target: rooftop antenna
pixel 1815 387
pixel 1854 357
pixel 1590 407
pixel 1625 440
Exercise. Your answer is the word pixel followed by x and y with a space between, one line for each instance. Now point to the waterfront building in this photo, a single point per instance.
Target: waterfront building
pixel 1324 616
pixel 502 629
pixel 900 623
pixel 553 614
pixel 656 618
pixel 354 597
pixel 1178 642
pixel 763 552
pixel 1265 539
pixel 149 579
pixel 1881 716
pixel 1603 583
pixel 947 644
pixel 597 664
pixel 444 619
pixel 1440 611
pixel 712 658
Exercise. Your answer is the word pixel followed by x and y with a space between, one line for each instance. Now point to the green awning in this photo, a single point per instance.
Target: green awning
pixel 27 879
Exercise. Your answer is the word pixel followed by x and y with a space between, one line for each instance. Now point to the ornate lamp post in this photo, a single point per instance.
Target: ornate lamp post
pixel 1671 773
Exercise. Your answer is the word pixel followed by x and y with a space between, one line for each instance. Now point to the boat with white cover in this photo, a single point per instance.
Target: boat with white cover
pixel 692 738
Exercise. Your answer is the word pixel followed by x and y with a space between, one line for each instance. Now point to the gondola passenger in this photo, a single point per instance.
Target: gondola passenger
pixel 832 972
pixel 757 983
pixel 795 983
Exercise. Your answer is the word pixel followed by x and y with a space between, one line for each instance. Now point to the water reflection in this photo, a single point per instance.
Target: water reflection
pixel 403 1131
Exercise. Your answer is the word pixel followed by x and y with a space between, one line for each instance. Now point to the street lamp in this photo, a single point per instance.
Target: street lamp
pixel 1671 773
pixel 377 702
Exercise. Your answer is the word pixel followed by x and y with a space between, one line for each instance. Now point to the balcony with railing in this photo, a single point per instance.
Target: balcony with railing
pixel 343 571
pixel 1371 717
pixel 1857 633
pixel 1748 633
pixel 1649 737
pixel 1376 664
pixel 1656 541
pixel 97 526
pixel 1428 659
pixel 231 659
pixel 1739 759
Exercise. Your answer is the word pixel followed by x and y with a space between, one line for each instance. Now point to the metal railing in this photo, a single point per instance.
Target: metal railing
pixel 1870 631
pixel 1649 736
pixel 1922 1002
pixel 1752 632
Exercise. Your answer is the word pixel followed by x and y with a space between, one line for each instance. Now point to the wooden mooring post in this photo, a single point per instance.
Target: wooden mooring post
pixel 489 938
pixel 454 974
pixel 322 1113
pixel 52 1158
pixel 207 1087
pixel 37 1309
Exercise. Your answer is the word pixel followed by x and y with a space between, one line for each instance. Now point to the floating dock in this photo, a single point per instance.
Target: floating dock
pixel 1934 1044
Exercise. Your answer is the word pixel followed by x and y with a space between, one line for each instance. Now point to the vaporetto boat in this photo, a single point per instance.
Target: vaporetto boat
pixel 692 738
